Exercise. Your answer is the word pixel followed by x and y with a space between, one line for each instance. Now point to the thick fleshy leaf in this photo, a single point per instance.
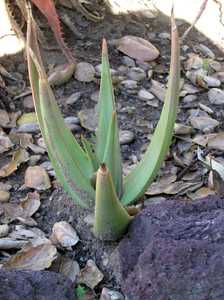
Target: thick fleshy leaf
pixel 144 173
pixel 70 162
pixel 111 218
pixel 106 104
pixel 88 147
pixel 47 8
pixel 112 155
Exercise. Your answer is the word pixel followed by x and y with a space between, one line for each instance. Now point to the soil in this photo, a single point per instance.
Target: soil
pixel 55 204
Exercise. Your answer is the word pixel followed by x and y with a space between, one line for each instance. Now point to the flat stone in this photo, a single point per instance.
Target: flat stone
pixel 158 90
pixel 205 50
pixel 95 96
pixel 73 98
pixel 85 72
pixel 34 285
pixel 175 251
pixel 189 98
pixel 128 61
pixel 129 84
pixel 216 96
pixel 145 95
pixel 136 74
pixel 71 120
pixel 29 127
pixel 4 230
pixel 28 102
pixel 164 35
pixel 206 124
pixel 126 137
pixel 108 294
pixel 4 196
pixel 88 119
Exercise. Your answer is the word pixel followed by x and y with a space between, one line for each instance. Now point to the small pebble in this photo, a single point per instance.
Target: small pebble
pixel 95 96
pixel 73 98
pixel 145 95
pixel 189 98
pixel 111 295
pixel 129 84
pixel 136 74
pixel 29 127
pixel 206 124
pixel 37 178
pixel 4 196
pixel 205 50
pixel 128 61
pixel 85 72
pixel 4 230
pixel 28 102
pixel 149 74
pixel 182 129
pixel 126 137
pixel 164 35
pixel 71 120
pixel 216 96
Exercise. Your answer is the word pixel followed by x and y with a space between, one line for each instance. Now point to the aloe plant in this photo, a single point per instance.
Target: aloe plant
pixel 92 174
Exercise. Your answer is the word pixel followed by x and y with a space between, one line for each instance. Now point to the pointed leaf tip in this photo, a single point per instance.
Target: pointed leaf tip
pixel 104 46
pixel 103 168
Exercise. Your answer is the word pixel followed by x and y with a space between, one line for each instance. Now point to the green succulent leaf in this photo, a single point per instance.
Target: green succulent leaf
pixel 70 162
pixel 144 173
pixel 89 149
pixel 111 218
pixel 112 155
pixel 106 104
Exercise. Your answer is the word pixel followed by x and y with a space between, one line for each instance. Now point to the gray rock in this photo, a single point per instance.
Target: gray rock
pixel 73 98
pixel 84 72
pixel 126 137
pixel 205 50
pixel 212 82
pixel 206 124
pixel 216 96
pixel 95 96
pixel 88 119
pixel 189 98
pixel 71 120
pixel 220 76
pixel 158 90
pixel 35 285
pixel 29 127
pixel 145 95
pixel 72 123
pixel 136 74
pixel 175 251
pixel 129 84
pixel 128 61
pixel 111 295
pixel 28 102
pixel 164 35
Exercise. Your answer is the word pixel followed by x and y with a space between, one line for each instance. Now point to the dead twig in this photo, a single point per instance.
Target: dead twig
pixel 201 10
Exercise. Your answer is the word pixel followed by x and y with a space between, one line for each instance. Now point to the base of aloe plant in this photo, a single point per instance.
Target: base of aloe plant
pixel 111 230
pixel 111 218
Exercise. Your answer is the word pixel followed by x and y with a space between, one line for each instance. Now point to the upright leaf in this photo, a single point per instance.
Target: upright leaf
pixel 88 147
pixel 47 8
pixel 111 218
pixel 144 173
pixel 112 155
pixel 71 164
pixel 106 104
